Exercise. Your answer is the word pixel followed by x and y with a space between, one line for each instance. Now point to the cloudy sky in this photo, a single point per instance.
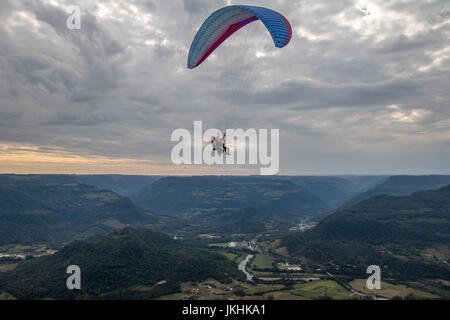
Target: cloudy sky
pixel 363 87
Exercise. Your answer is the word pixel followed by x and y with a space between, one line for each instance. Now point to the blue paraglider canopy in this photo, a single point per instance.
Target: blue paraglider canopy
pixel 224 22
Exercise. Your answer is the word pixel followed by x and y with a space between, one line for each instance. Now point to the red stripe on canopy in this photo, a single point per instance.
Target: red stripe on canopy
pixel 231 29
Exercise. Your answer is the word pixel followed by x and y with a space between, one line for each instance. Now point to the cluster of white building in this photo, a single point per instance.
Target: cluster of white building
pixel 289 267
pixel 7 257
pixel 303 226
pixel 240 245
pixel 11 257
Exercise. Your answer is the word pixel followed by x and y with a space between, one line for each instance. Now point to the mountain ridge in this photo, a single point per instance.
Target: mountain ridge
pixel 32 211
pixel 399 232
pixel 125 264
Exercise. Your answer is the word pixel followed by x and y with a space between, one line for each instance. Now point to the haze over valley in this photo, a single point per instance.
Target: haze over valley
pixel 222 237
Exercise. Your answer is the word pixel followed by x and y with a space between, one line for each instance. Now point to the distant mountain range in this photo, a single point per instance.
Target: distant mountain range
pixel 409 235
pixel 59 208
pixel 249 204
pixel 335 190
pixel 279 214
pixel 181 195
pixel 387 221
pixel 125 264
pixel 315 198
pixel 54 209
pixel 123 185
pixel 402 186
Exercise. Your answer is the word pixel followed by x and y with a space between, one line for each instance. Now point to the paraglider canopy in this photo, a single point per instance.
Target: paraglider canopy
pixel 224 22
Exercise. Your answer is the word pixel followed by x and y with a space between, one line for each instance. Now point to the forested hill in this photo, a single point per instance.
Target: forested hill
pixel 410 235
pixel 177 195
pixel 403 186
pixel 421 218
pixel 53 209
pixel 125 264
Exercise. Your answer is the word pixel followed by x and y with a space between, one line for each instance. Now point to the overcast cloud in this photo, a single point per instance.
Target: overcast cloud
pixel 349 97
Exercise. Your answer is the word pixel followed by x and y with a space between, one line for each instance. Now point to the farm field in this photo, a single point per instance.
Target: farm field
pixel 322 288
pixel 234 256
pixel 389 290
pixel 213 290
pixel 218 245
pixel 7 267
pixel 6 296
pixel 262 261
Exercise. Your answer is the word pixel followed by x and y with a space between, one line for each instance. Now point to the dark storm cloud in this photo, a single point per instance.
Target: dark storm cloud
pixel 352 98
pixel 307 94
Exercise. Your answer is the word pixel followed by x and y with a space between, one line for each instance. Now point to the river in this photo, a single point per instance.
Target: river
pixel 242 266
